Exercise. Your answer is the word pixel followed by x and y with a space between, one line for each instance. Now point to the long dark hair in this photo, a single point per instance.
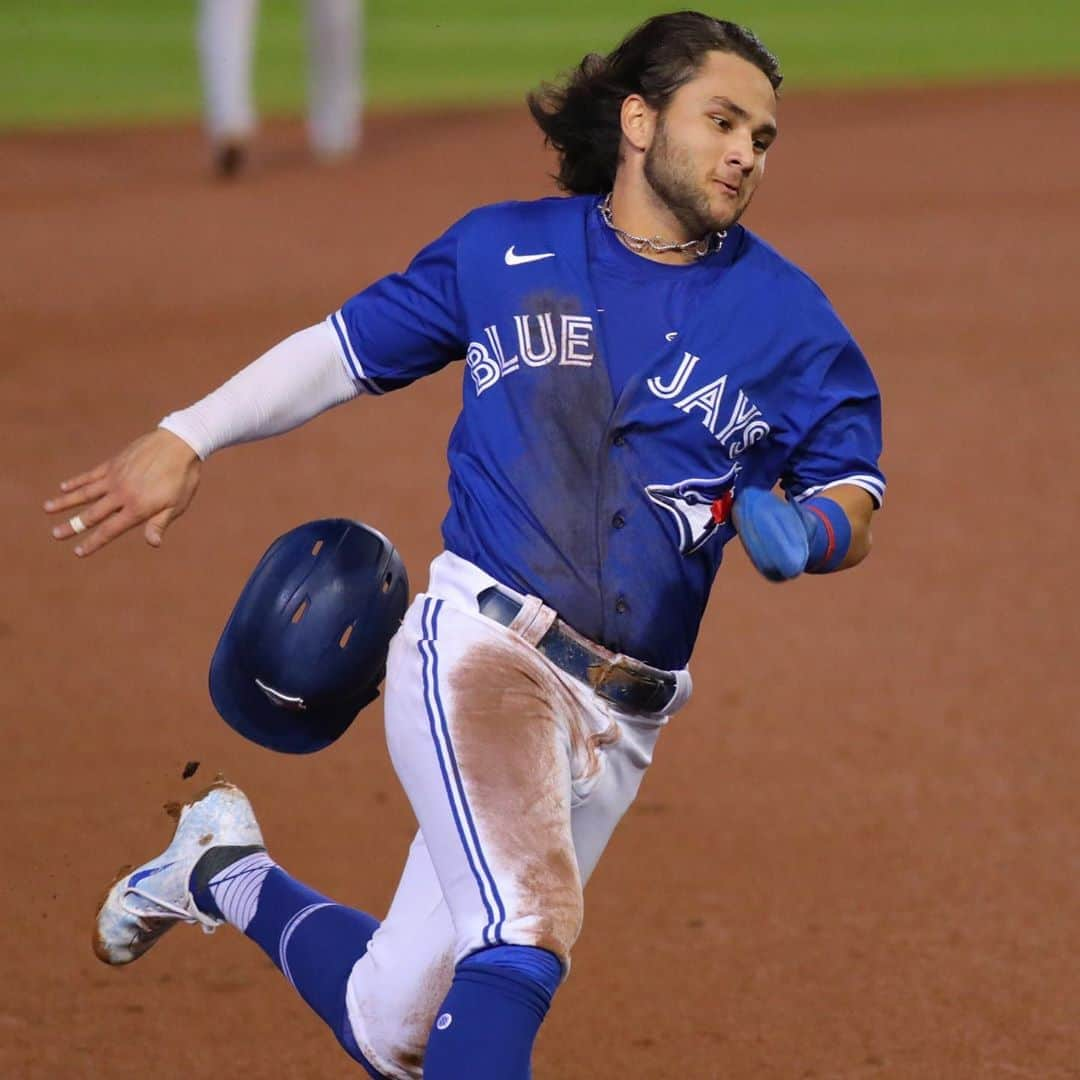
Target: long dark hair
pixel 580 117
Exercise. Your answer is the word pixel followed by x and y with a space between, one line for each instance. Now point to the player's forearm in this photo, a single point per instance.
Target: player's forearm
pixel 820 535
pixel 858 507
pixel 296 380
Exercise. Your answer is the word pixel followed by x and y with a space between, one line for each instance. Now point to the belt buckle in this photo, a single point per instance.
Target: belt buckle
pixel 615 681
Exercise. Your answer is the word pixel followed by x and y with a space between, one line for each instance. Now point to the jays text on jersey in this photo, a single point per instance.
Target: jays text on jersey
pixel 613 406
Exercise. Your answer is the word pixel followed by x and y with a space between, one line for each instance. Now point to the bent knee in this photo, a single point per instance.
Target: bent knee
pixel 552 922
pixel 536 967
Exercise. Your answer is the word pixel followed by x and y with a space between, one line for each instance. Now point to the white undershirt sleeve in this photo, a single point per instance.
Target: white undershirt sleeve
pixel 296 380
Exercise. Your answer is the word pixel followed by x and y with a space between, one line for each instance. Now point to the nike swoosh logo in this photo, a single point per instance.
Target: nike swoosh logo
pixel 513 259
pixel 136 878
pixel 671 335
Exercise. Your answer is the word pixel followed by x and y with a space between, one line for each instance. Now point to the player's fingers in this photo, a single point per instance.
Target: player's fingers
pixel 85 519
pixel 92 490
pixel 73 483
pixel 112 526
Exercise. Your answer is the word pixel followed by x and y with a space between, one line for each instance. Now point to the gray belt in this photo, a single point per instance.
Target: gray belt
pixel 631 685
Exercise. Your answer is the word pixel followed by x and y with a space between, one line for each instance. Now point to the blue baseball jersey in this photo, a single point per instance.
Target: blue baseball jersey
pixel 613 406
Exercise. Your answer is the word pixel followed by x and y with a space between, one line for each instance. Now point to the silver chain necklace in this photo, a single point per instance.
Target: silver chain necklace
pixel 697 248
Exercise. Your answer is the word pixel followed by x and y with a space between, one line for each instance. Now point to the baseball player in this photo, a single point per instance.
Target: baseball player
pixel 226 35
pixel 640 372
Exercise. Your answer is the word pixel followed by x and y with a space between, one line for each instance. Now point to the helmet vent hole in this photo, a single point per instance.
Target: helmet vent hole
pixel 387 582
pixel 344 639
pixel 298 614
pixel 317 548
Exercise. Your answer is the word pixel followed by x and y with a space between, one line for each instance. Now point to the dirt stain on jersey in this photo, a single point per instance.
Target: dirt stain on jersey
pixel 550 301
pixel 567 410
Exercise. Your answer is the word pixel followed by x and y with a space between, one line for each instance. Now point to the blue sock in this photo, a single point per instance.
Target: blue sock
pixel 488 1022
pixel 312 941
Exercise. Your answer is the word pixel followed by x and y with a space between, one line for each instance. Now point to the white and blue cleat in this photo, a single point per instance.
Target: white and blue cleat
pixel 144 903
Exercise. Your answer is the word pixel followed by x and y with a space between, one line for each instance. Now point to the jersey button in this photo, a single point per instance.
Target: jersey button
pixel 618 521
pixel 622 606
pixel 618 439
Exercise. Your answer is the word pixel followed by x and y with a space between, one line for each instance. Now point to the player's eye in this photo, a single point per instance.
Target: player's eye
pixel 722 122
pixel 760 145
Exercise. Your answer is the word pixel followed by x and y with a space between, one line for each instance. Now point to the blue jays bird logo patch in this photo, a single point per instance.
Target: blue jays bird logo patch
pixel 699 506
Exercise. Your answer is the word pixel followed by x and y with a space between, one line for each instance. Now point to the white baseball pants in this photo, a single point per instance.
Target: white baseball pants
pixel 518 775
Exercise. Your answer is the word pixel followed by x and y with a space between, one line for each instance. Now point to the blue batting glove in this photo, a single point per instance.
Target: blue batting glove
pixel 772 532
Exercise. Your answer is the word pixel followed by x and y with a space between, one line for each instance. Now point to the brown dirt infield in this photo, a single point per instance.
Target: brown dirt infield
pixel 858 853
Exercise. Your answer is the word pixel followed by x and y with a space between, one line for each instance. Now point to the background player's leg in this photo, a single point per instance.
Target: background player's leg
pixel 335 51
pixel 226 32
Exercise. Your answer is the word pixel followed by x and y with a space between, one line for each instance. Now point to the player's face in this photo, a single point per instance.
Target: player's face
pixel 708 151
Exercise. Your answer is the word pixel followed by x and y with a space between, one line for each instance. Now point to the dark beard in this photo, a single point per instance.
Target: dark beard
pixel 669 174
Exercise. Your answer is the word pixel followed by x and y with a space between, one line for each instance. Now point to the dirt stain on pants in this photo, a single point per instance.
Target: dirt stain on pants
pixel 516 729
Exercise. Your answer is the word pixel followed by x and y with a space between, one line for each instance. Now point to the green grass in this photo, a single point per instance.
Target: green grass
pixel 66 62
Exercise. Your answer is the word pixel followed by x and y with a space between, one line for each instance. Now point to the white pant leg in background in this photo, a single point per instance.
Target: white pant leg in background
pixel 226 37
pixel 518 775
pixel 335 35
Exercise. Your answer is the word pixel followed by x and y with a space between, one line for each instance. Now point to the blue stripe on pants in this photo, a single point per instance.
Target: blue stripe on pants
pixel 451 774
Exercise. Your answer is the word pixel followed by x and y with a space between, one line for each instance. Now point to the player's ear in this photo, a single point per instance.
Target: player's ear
pixel 638 122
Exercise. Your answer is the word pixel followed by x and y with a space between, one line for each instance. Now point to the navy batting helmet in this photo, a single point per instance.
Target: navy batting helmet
pixel 305 647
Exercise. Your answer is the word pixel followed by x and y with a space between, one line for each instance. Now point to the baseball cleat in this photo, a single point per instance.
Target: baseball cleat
pixel 230 158
pixel 144 903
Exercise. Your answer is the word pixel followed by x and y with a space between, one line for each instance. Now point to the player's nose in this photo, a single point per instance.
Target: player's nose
pixel 739 151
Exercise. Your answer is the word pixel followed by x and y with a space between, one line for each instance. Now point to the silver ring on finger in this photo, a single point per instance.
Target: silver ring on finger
pixel 77 524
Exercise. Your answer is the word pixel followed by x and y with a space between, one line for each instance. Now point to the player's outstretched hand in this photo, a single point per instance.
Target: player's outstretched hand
pixel 150 482
pixel 772 532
